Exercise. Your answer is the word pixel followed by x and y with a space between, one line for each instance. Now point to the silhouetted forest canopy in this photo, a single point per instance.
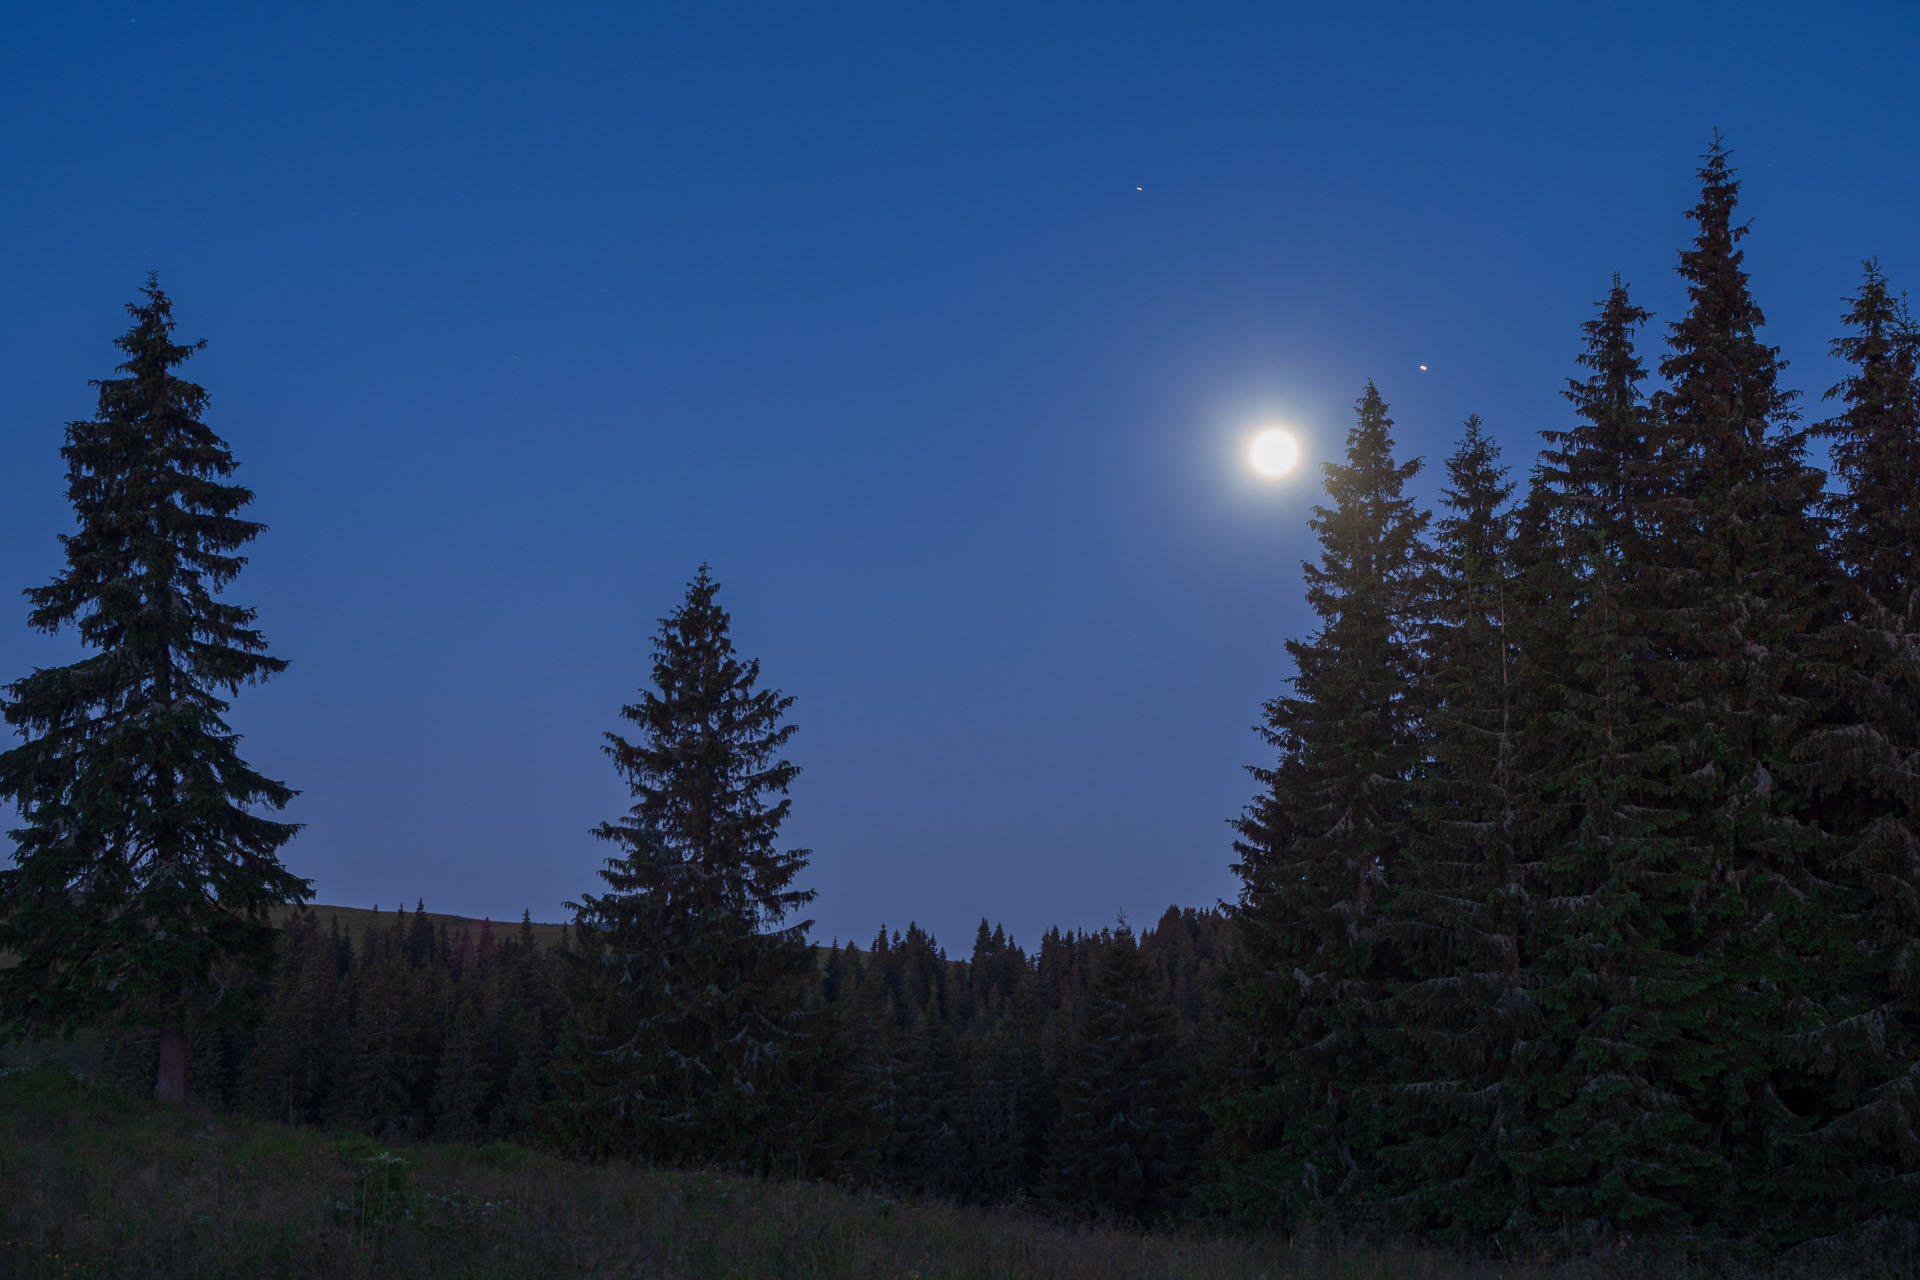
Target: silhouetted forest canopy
pixel 1580 881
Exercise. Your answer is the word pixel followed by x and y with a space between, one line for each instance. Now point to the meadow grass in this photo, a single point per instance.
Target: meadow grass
pixel 96 1184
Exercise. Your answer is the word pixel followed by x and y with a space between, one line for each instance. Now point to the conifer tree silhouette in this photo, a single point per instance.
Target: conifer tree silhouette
pixel 693 1031
pixel 143 860
pixel 1323 843
pixel 1862 766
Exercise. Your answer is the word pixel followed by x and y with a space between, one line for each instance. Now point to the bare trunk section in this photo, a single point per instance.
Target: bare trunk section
pixel 171 1087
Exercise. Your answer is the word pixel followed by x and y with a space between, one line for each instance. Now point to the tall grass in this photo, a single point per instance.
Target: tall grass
pixel 94 1184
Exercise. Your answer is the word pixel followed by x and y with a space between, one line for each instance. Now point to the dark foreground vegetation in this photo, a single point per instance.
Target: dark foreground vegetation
pixel 1579 912
pixel 99 1185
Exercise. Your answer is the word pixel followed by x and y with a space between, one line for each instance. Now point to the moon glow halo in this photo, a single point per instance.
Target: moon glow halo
pixel 1274 452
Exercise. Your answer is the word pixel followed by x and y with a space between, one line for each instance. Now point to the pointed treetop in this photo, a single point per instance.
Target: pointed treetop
pixel 1371 526
pixel 1598 463
pixel 1477 494
pixel 1371 433
pixel 1609 352
pixel 1724 392
pixel 1474 467
pixel 149 344
pixel 1876 438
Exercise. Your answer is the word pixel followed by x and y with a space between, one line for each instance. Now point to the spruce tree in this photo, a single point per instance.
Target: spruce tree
pixel 1601 1139
pixel 1126 1133
pixel 924 1152
pixel 1598 469
pixel 385 1070
pixel 691 1019
pixel 420 942
pixel 1460 909
pixel 1013 1101
pixel 297 1050
pixel 1863 764
pixel 872 1015
pixel 461 1084
pixel 1322 846
pixel 524 1065
pixel 1737 578
pixel 143 859
pixel 1670 580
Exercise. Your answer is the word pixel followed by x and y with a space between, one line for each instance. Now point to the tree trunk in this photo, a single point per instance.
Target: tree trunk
pixel 171 1087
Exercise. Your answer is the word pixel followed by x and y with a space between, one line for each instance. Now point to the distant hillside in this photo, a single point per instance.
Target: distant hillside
pixel 355 920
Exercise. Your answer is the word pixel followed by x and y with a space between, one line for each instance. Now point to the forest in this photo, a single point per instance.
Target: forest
pixel 1579 887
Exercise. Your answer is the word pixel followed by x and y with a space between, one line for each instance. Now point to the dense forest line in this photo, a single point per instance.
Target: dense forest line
pixel 1580 889
pixel 966 1071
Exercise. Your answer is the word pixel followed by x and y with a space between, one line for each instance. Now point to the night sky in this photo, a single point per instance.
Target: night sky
pixel 939 330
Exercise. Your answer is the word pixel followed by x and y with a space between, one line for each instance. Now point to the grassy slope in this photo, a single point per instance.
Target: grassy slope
pixel 98 1185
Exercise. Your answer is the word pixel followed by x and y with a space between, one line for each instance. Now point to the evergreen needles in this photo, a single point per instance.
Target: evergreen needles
pixel 693 1033
pixel 144 858
pixel 1594 912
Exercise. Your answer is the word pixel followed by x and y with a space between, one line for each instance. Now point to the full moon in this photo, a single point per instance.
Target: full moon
pixel 1274 452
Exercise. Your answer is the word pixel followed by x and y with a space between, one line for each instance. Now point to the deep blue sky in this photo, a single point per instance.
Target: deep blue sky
pixel 937 329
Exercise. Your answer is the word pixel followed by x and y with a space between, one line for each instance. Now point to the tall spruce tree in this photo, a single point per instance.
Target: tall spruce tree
pixel 144 857
pixel 1677 574
pixel 1322 845
pixel 1739 579
pixel 1460 910
pixel 1605 1139
pixel 1863 763
pixel 1599 467
pixel 692 1033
